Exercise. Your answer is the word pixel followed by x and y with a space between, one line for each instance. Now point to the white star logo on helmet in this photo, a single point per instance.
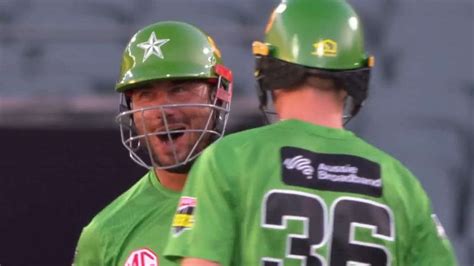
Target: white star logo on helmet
pixel 152 46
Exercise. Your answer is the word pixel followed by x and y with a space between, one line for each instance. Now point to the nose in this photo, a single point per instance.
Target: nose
pixel 160 97
pixel 162 113
pixel 160 107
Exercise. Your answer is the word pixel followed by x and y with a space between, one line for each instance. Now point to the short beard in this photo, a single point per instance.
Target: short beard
pixel 186 167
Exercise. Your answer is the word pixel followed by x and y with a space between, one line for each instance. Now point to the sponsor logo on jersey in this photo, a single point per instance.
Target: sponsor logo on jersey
pixel 300 164
pixel 184 218
pixel 142 257
pixel 336 172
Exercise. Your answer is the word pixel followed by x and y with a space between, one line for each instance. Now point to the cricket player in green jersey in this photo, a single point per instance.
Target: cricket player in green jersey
pixel 175 101
pixel 305 191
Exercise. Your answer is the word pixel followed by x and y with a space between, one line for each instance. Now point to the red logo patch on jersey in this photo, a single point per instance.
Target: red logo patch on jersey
pixel 142 257
pixel 184 218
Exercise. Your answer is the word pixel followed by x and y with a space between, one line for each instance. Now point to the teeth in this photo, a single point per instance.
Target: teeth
pixel 171 129
pixel 175 135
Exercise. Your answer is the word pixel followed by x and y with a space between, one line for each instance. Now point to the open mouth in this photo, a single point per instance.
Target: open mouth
pixel 174 134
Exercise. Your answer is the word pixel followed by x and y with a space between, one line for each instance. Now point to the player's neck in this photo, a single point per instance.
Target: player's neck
pixel 171 181
pixel 316 107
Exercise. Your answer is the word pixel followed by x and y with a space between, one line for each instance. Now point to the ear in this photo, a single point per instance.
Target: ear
pixel 128 98
pixel 342 94
pixel 277 93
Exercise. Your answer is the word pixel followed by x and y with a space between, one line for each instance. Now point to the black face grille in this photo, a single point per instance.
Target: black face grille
pixel 273 73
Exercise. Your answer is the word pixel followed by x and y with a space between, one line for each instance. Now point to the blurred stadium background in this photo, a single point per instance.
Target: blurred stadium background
pixel 61 157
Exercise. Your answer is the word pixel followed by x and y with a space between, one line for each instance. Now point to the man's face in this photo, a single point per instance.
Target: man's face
pixel 156 120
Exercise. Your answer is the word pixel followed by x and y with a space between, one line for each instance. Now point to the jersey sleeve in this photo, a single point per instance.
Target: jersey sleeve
pixel 429 244
pixel 89 250
pixel 204 224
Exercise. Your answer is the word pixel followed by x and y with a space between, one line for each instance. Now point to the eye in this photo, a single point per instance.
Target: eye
pixel 143 94
pixel 187 91
pixel 181 88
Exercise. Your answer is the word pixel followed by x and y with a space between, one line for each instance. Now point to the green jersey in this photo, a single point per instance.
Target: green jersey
pixel 294 193
pixel 132 230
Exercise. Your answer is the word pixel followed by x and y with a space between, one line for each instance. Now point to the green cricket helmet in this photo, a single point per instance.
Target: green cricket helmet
pixel 168 50
pixel 313 37
pixel 177 52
